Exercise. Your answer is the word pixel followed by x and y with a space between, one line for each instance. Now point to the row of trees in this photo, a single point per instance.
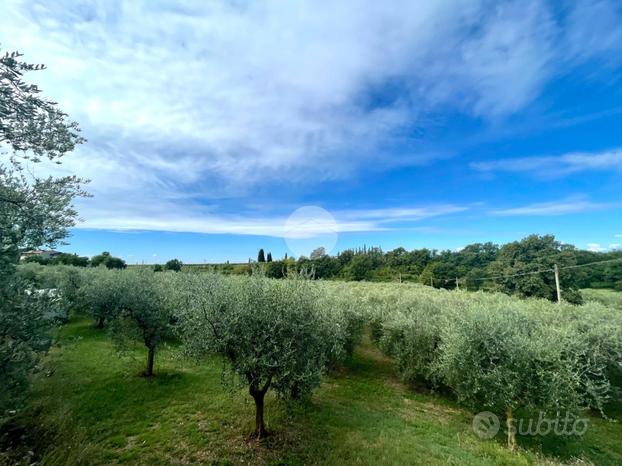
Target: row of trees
pixel 491 351
pixel 510 268
pixel 105 259
pixel 497 353
pixel 275 334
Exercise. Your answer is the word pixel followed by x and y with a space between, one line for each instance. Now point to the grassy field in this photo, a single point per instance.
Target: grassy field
pixel 92 407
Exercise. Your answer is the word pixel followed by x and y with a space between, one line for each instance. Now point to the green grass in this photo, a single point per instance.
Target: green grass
pixel 90 406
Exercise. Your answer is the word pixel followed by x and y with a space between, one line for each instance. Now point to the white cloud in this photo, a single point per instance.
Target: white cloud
pixel 187 102
pixel 201 220
pixel 556 166
pixel 595 247
pixel 615 247
pixel 571 205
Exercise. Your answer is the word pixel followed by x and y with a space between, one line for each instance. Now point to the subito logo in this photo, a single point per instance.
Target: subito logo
pixel 486 425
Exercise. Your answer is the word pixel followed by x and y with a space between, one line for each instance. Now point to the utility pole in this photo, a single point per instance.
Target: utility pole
pixel 559 291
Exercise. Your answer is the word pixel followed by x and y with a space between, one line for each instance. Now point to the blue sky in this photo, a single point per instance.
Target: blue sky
pixel 415 124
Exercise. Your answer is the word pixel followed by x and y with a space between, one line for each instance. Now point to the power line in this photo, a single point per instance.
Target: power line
pixel 535 272
pixel 591 263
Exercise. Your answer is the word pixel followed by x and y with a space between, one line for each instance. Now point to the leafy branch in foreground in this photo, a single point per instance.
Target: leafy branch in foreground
pixel 34 212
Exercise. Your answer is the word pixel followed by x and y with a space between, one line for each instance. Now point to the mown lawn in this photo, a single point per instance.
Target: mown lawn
pixel 90 406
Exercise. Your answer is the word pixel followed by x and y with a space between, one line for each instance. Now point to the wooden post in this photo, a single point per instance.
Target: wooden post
pixel 457 285
pixel 559 291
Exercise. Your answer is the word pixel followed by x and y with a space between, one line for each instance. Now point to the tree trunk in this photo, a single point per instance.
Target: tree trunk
pixel 100 323
pixel 150 357
pixel 258 394
pixel 509 420
pixel 260 427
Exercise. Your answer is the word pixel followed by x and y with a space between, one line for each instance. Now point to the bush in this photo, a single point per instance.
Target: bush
pixel 108 261
pixel 174 265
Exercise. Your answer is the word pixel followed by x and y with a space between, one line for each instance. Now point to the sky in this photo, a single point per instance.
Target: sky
pixel 217 128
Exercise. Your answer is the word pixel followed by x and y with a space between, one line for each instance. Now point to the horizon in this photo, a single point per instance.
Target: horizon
pixel 431 125
pixel 335 252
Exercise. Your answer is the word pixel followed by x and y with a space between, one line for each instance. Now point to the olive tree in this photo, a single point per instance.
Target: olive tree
pixel 271 332
pixel 34 211
pixel 101 295
pixel 504 359
pixel 23 336
pixel 145 311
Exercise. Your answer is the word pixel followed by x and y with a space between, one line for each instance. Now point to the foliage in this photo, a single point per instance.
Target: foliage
pixel 145 311
pixel 94 410
pixel 317 253
pixel 498 353
pixel 33 212
pixel 108 261
pixel 273 333
pixel 607 297
pixel 61 282
pixel 60 259
pixel 174 265
pixel 261 256
pixel 101 295
pixel 157 268
pixel 524 268
pixel 518 265
pixel 24 334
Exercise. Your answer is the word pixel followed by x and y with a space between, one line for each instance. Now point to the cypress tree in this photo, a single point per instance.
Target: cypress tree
pixel 260 256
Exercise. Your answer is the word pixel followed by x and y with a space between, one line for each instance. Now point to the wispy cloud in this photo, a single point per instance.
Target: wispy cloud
pixel 556 166
pixel 566 206
pixel 193 101
pixel 407 214
pixel 201 220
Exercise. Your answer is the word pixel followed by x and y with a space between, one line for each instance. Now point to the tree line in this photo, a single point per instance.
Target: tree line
pixel 509 268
